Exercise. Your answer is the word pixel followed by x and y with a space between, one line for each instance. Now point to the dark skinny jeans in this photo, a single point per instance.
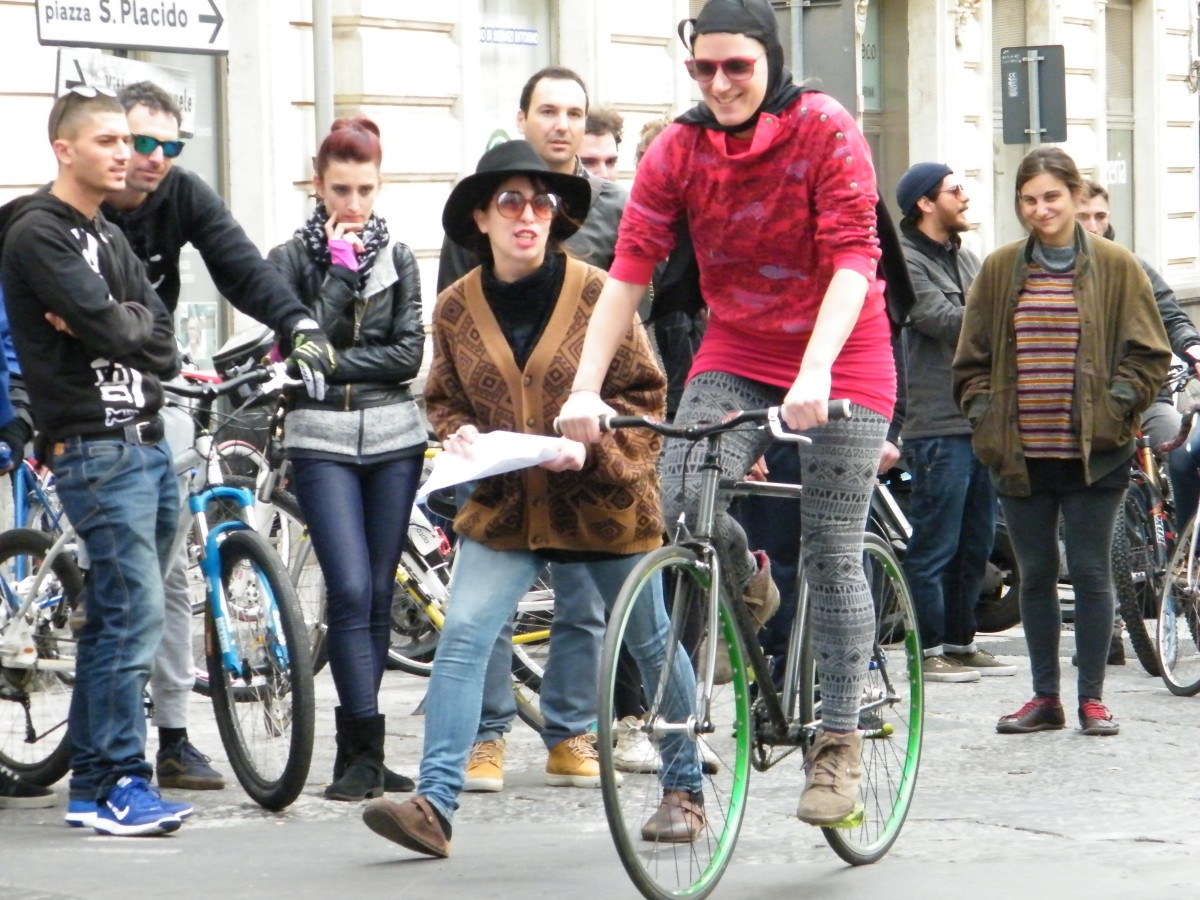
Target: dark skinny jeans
pixel 357 516
pixel 1089 516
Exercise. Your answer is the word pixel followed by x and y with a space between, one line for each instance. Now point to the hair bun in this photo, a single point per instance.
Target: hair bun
pixel 361 123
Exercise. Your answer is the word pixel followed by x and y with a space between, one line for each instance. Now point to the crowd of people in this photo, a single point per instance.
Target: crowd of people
pixel 751 264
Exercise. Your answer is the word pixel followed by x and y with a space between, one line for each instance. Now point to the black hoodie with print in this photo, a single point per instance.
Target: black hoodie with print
pixel 106 372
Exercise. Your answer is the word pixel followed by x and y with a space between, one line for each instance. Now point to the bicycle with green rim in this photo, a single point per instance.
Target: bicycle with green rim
pixel 759 712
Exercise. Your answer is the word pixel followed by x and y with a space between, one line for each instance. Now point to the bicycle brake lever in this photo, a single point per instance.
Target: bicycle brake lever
pixel 781 431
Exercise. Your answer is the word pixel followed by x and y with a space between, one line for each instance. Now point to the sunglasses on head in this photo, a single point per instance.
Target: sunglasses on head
pixel 512 204
pixel 146 145
pixel 736 68
pixel 83 92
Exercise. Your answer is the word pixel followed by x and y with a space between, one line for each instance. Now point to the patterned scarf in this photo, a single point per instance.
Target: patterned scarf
pixel 374 235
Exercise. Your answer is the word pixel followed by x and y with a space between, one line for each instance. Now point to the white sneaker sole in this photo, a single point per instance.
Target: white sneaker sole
pixel 165 825
pixel 483 785
pixel 952 677
pixel 80 820
pixel 579 781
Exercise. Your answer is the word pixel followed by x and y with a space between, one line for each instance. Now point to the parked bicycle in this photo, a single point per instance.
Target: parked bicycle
pixel 258 666
pixel 757 727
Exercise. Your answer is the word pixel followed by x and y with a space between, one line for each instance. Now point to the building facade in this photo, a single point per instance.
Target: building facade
pixel 443 80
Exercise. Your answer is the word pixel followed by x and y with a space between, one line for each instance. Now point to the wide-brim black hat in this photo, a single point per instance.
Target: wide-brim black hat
pixel 502 162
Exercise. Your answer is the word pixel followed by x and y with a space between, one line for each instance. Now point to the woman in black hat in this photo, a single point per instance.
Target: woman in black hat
pixel 778 190
pixel 506 345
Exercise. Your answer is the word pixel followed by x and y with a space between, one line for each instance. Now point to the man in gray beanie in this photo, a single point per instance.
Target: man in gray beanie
pixel 953 504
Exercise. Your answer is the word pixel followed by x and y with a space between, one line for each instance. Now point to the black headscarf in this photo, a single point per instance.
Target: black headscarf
pixel 755 19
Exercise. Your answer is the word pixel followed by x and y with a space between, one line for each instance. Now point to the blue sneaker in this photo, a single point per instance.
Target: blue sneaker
pixel 82 813
pixel 134 808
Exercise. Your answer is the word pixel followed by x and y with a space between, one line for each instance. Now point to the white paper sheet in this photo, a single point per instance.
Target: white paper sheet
pixel 493 453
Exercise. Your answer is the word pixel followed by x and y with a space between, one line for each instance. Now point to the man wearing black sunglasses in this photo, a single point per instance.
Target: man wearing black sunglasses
pixel 160 208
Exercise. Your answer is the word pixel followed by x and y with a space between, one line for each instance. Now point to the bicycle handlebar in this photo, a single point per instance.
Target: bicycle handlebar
pixel 838 409
pixel 210 392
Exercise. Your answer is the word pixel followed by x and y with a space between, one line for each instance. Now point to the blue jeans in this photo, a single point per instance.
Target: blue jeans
pixel 484 590
pixel 567 697
pixel 953 517
pixel 124 504
pixel 357 516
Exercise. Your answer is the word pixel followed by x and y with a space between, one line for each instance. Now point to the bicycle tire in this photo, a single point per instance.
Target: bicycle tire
pixel 1177 635
pixel 891 754
pixel 999 604
pixel 285 530
pixel 662 870
pixel 1136 577
pixel 534 617
pixel 414 636
pixel 46 759
pixel 265 714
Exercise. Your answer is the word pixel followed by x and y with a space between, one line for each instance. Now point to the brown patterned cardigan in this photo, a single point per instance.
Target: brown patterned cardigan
pixel 612 504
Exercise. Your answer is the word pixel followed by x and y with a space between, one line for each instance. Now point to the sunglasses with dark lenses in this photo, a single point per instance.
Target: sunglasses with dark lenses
pixel 736 68
pixel 146 145
pixel 512 204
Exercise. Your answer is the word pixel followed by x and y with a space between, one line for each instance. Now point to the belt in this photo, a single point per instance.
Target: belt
pixel 147 432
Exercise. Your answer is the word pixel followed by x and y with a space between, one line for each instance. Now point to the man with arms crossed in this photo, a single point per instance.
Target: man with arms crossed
pixel 94 341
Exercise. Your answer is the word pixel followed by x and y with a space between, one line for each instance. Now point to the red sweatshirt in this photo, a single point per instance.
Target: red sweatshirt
pixel 771 220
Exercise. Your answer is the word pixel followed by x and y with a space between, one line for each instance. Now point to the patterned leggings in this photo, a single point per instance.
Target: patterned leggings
pixel 838 471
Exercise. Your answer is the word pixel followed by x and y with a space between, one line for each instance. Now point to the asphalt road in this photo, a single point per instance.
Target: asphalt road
pixel 1054 814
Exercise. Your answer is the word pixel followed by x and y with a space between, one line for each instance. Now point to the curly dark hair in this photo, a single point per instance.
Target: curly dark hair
pixel 151 96
pixel 605 120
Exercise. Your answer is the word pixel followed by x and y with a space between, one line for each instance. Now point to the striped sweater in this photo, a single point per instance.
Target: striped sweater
pixel 1046 323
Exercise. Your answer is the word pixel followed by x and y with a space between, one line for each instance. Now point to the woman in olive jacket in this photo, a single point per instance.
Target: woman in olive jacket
pixel 356 453
pixel 1061 350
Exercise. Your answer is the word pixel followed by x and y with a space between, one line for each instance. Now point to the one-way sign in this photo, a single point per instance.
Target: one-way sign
pixel 188 26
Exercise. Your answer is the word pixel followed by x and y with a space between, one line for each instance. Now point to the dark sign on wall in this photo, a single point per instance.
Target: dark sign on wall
pixel 1033 94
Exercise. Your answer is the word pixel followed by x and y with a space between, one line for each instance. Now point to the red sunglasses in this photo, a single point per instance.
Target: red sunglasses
pixel 736 68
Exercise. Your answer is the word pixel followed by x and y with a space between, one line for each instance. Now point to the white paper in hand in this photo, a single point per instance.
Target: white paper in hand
pixel 493 454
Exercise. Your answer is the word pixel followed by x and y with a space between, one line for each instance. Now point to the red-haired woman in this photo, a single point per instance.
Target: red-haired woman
pixel 356 453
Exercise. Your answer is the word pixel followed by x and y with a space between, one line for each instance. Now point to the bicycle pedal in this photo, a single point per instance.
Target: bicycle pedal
pixel 854 820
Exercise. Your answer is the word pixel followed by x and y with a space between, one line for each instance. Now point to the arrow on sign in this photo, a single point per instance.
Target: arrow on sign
pixel 74 84
pixel 216 18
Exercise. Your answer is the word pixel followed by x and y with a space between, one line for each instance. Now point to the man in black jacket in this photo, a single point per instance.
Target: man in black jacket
pixel 94 341
pixel 160 208
pixel 953 504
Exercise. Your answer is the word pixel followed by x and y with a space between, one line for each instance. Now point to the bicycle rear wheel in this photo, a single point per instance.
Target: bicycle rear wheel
pixel 1138 574
pixel 264 711
pixel 662 869
pixel 891 716
pixel 1177 641
pixel 34 702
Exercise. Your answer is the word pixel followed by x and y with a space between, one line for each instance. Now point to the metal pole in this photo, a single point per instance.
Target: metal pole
pixel 797 17
pixel 1035 98
pixel 322 67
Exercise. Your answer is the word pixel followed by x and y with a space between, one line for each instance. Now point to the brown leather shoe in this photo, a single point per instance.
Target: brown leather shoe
pixel 676 821
pixel 412 824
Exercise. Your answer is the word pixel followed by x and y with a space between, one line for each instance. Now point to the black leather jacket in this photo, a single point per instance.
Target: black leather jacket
pixel 377 333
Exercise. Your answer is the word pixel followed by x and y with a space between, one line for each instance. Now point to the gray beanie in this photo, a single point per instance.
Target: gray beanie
pixel 918 181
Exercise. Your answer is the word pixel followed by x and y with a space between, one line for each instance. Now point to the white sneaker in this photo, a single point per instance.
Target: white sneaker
pixel 634 751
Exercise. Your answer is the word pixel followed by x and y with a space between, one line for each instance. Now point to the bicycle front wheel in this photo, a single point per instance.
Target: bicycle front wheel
pixel 265 709
pixel 1178 628
pixel 34 702
pixel 693 726
pixel 891 714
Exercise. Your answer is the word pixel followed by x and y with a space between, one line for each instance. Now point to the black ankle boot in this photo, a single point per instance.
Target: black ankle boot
pixel 393 782
pixel 361 742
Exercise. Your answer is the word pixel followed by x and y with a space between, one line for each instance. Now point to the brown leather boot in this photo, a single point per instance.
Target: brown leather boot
pixel 413 824
pixel 678 820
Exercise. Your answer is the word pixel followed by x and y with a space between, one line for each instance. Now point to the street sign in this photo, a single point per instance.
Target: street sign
pixel 185 26
pixel 80 66
pixel 1033 94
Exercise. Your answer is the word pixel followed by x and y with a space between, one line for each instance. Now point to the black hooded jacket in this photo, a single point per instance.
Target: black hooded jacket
pixel 106 373
pixel 185 210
